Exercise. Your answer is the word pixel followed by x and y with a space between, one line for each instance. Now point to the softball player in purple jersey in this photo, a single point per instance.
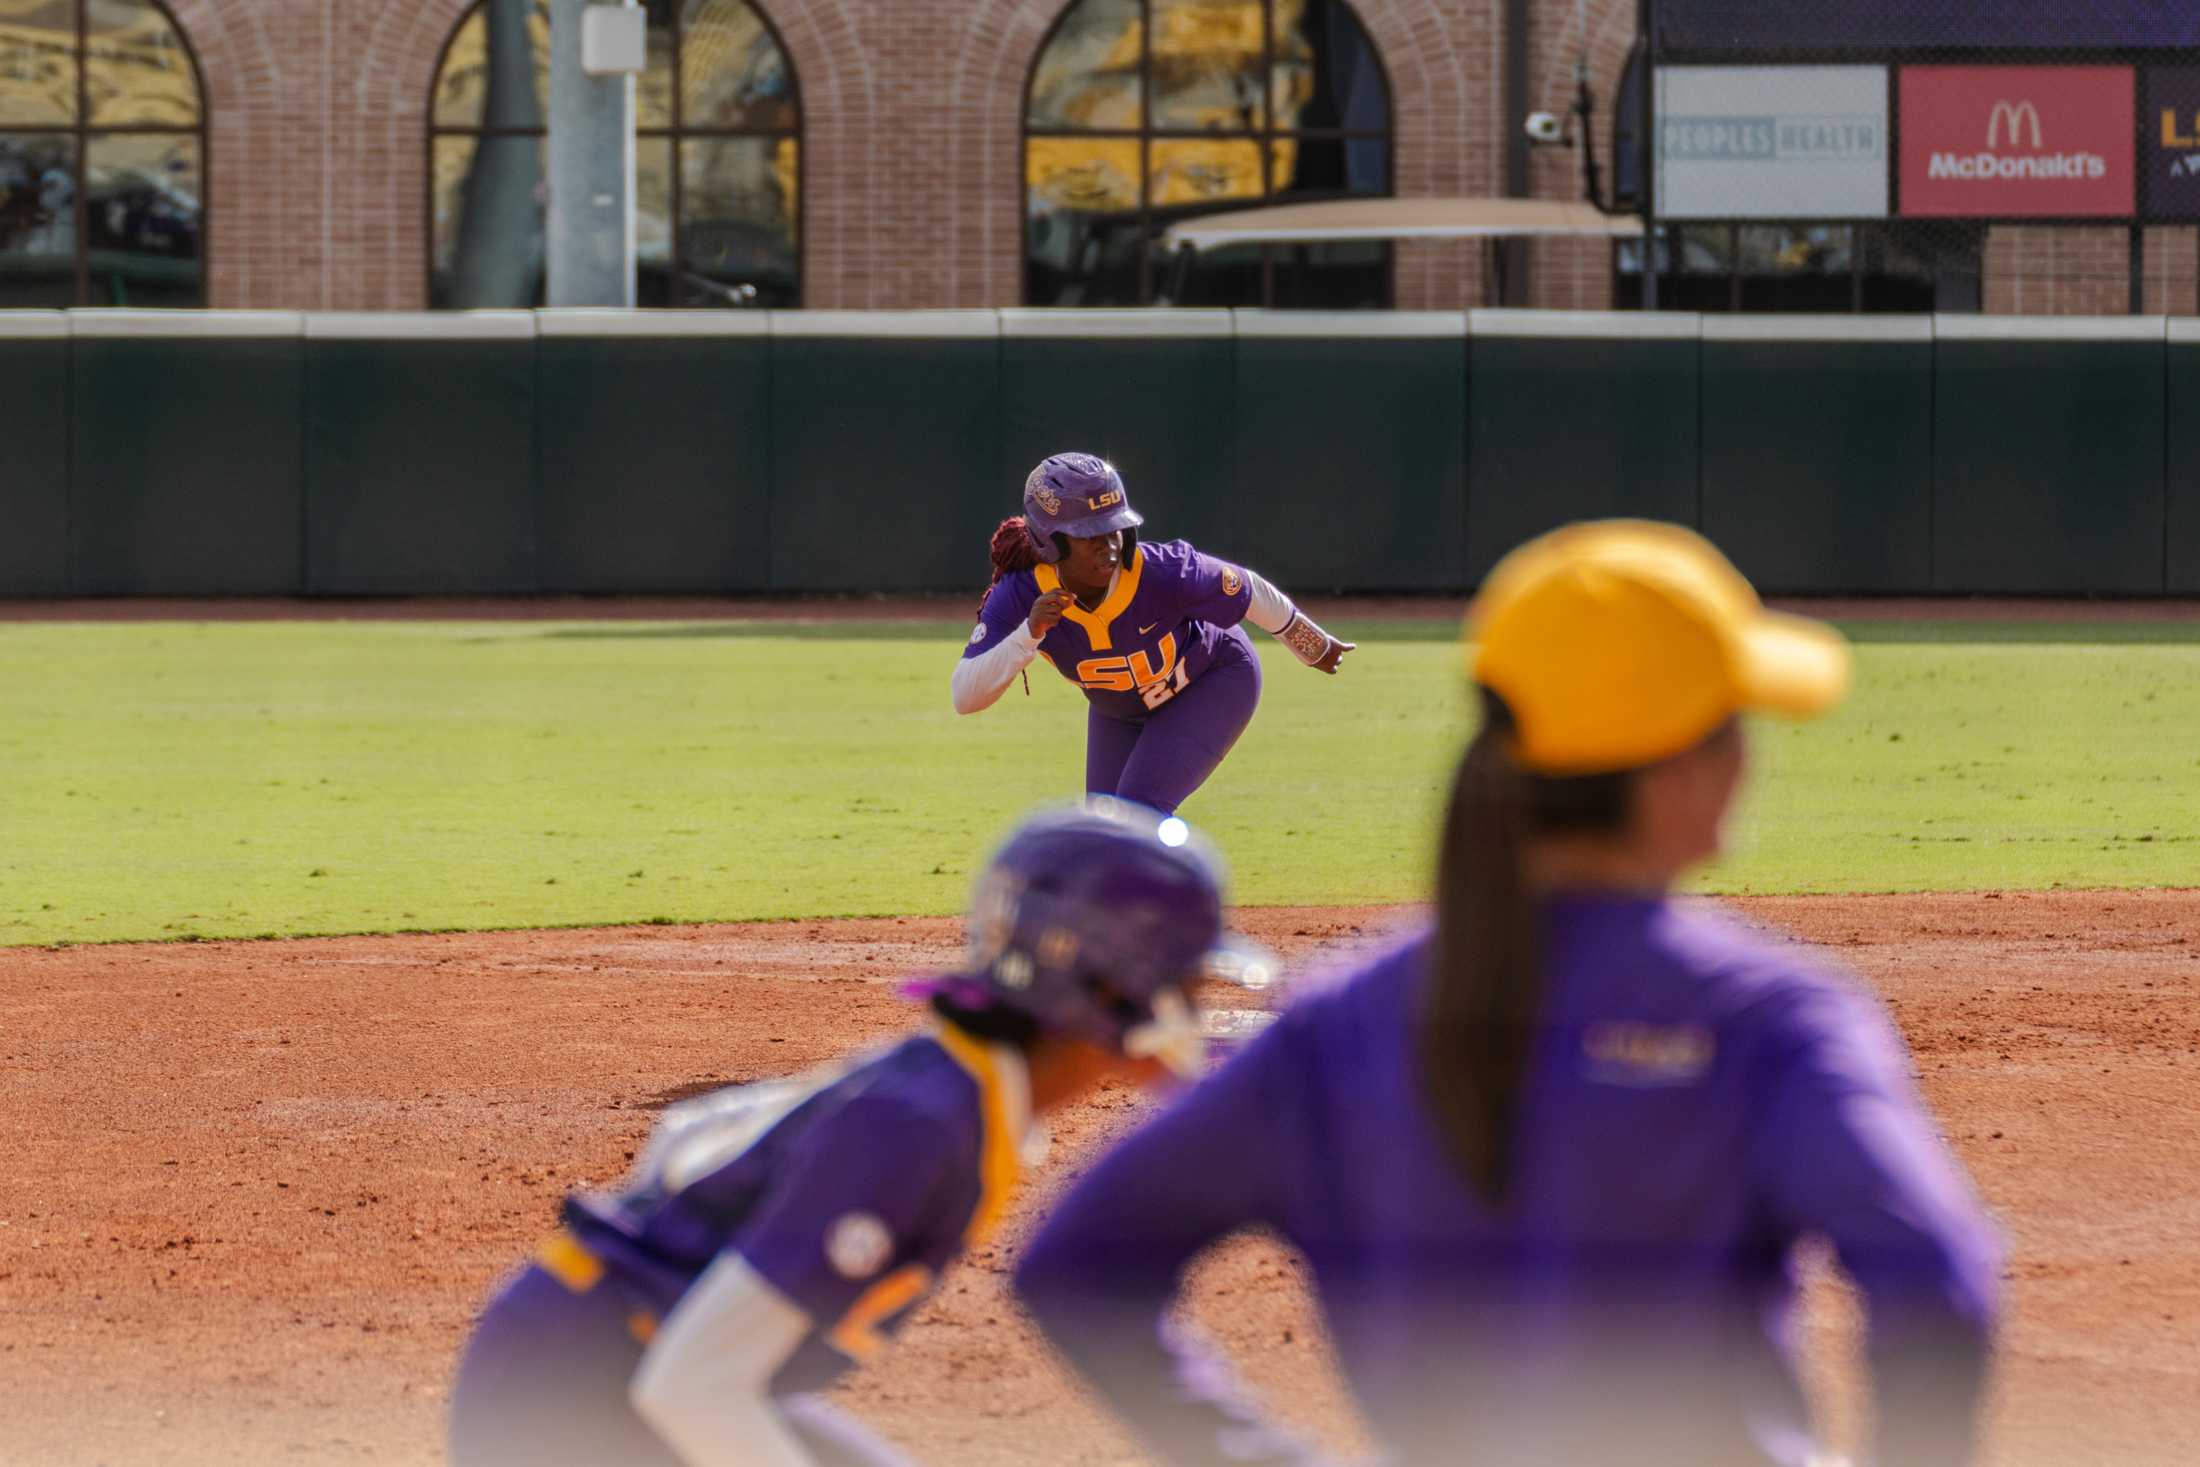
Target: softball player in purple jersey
pixel 1148 631
pixel 1549 1161
pixel 772 1235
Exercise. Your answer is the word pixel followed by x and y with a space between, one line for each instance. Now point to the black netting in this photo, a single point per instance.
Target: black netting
pixel 1901 155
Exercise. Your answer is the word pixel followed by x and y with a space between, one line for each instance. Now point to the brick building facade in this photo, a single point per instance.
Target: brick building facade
pixel 911 144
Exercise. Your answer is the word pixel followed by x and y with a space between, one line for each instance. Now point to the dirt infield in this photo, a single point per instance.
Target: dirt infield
pixel 258 1187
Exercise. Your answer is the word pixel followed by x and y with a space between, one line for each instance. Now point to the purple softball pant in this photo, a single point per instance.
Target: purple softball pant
pixel 543 1384
pixel 1160 760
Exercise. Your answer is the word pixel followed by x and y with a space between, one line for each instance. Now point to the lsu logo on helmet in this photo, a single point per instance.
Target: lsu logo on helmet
pixel 1039 489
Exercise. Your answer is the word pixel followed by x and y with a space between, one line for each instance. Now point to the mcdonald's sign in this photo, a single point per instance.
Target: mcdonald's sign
pixel 2018 141
pixel 2016 114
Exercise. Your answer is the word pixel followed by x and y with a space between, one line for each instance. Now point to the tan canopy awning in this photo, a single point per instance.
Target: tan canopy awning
pixel 1340 219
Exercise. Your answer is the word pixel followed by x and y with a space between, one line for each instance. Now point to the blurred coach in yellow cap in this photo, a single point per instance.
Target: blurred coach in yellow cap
pixel 1549 1160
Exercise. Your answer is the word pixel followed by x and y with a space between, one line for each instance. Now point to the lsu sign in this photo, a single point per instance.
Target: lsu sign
pixel 2017 142
pixel 2169 144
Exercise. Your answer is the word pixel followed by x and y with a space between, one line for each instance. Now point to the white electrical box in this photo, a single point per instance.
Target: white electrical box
pixel 614 40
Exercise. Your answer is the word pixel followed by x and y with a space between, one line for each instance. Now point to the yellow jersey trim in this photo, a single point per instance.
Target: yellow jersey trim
pixel 857 1336
pixel 565 1259
pixel 998 1167
pixel 1098 621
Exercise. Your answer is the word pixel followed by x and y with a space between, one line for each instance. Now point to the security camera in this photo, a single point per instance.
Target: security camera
pixel 1546 127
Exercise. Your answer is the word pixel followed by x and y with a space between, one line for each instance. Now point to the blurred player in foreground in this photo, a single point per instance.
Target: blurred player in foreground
pixel 771 1235
pixel 1549 1162
pixel 1150 632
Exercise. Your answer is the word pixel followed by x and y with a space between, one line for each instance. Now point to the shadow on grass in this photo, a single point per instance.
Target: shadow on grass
pixel 1949 633
pixel 2024 633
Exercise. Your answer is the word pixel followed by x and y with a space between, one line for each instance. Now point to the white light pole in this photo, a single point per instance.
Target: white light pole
pixel 596 51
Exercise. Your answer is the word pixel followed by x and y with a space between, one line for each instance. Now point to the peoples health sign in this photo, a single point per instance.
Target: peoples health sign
pixel 1772 142
pixel 2018 142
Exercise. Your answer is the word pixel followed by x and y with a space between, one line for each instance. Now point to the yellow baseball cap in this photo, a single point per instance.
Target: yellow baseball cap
pixel 1618 643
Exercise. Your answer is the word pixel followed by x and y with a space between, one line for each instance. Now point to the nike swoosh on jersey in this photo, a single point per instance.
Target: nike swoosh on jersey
pixel 1142 631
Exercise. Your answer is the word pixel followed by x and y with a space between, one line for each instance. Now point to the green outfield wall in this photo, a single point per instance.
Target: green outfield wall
pixel 189 453
pixel 1817 449
pixel 186 473
pixel 34 492
pixel 1153 391
pixel 653 451
pixel 1577 415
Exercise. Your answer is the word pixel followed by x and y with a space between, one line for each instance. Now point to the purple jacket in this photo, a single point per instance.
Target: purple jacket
pixel 1700 1099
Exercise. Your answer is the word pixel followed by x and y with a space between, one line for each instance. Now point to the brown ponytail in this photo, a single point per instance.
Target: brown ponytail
pixel 1485 991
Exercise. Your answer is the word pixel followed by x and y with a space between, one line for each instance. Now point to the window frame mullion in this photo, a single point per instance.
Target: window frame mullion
pixel 80 204
pixel 677 204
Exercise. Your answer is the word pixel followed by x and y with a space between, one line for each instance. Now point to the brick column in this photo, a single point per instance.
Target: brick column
pixel 1573 274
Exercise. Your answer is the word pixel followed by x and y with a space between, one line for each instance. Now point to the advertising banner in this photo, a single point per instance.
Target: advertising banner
pixel 1771 25
pixel 2169 142
pixel 1772 142
pixel 2017 142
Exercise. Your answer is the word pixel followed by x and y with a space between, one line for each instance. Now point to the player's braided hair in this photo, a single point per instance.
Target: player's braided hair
pixel 1011 551
pixel 1485 988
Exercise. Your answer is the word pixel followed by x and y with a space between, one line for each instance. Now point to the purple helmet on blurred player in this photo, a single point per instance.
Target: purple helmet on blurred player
pixel 1091 923
pixel 1075 494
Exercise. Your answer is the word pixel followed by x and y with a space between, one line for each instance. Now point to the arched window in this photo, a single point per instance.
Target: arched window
pixel 717 156
pixel 102 156
pixel 1142 112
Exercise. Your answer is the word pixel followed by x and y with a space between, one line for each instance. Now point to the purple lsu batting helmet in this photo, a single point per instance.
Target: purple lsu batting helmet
pixel 1075 494
pixel 1091 922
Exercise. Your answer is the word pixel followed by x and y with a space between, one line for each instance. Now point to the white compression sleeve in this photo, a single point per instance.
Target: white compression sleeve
pixel 1271 610
pixel 702 1385
pixel 979 681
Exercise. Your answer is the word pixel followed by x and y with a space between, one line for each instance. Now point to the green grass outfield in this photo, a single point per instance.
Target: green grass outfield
pixel 224 779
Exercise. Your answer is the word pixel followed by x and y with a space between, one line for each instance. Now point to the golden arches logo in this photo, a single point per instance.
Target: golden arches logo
pixel 2015 114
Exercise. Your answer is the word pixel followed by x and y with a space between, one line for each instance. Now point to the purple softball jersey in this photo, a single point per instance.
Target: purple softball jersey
pixel 1163 759
pixel 1159 628
pixel 850 1193
pixel 1700 1098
